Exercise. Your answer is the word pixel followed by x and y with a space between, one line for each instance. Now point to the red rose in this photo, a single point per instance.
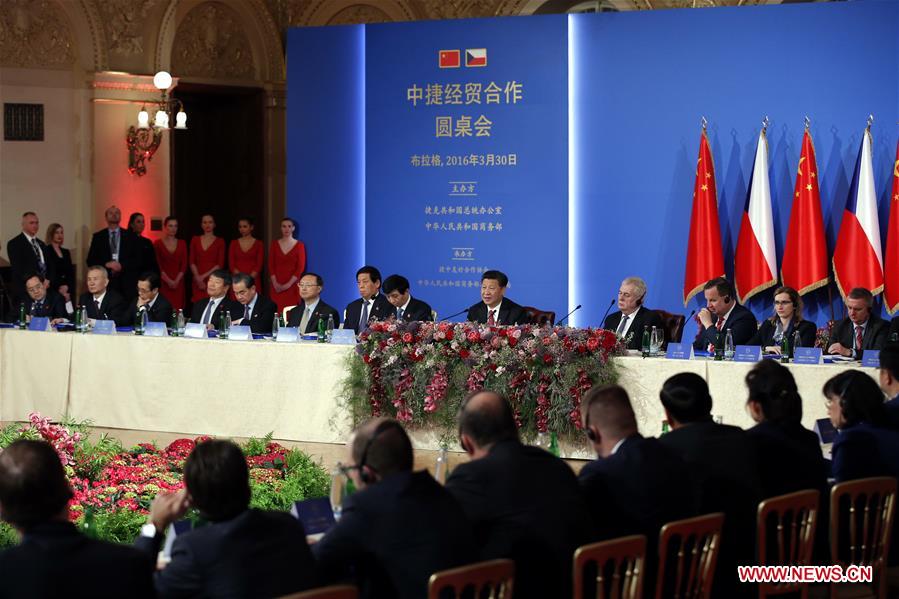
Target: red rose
pixel 513 341
pixel 592 343
pixel 547 359
pixel 547 340
pixel 464 354
pixel 450 334
pixel 473 336
pixel 366 358
pixel 407 337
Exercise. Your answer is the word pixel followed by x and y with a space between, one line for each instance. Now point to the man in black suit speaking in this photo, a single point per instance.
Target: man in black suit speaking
pixel 27 255
pixel 209 310
pixel 148 298
pixel 722 312
pixel 371 305
pixel 258 312
pixel 396 288
pixel 632 316
pixel 313 308
pixel 494 308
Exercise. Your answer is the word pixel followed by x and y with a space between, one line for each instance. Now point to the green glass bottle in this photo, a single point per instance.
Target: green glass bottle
pixel 554 444
pixel 22 322
pixel 89 524
pixel 785 349
pixel 666 428
pixel 322 330
pixel 646 342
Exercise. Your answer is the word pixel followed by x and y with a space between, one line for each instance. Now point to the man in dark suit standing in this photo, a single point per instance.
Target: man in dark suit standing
pixel 494 308
pixel 148 298
pixel 27 255
pixel 406 307
pixel 399 527
pixel 632 316
pixel 117 250
pixel 242 552
pixel 257 310
pixel 209 310
pixel 722 312
pixel 53 556
pixel 313 308
pixel 371 305
pixel 101 302
pixel 41 301
pixel 524 503
pixel 859 331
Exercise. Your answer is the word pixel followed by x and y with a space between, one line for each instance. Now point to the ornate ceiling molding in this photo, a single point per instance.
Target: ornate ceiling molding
pixel 211 42
pixel 125 23
pixel 35 33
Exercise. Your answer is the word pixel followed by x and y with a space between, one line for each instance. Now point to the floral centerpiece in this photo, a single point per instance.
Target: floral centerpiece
pixel 419 372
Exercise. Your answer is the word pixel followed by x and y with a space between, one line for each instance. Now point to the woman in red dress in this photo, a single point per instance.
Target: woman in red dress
pixel 246 254
pixel 286 263
pixel 207 253
pixel 171 255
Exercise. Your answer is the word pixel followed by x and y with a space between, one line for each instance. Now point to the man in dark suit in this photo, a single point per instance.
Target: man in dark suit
pixel 859 331
pixel 101 302
pixel 27 255
pixel 118 251
pixel 399 527
pixel 371 305
pixel 41 301
pixel 632 316
pixel 313 308
pixel 524 503
pixel 242 552
pixel 148 298
pixel 53 556
pixel 494 308
pixel 209 310
pixel 722 312
pixel 406 307
pixel 889 382
pixel 257 311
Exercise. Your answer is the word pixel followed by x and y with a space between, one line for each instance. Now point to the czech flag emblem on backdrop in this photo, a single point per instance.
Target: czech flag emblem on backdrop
pixel 476 57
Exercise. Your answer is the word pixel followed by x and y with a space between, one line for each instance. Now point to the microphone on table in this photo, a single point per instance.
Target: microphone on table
pixel 564 318
pixel 611 303
pixel 445 318
pixel 680 329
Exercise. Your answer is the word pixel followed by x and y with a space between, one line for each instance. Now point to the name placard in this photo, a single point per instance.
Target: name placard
pixel 825 430
pixel 156 329
pixel 195 330
pixel 343 337
pixel 104 327
pixel 871 358
pixel 808 355
pixel 315 514
pixel 175 528
pixel 39 323
pixel 288 335
pixel 240 332
pixel 747 353
pixel 679 351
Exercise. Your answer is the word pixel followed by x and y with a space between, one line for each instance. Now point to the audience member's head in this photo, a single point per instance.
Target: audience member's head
pixel 485 418
pixel 852 398
pixel 244 288
pixel 493 287
pixel 170 225
pixel 33 485
pixel 631 294
pixel 30 224
pixel 113 217
pixel 773 396
pixel 608 417
pixel 858 305
pixel 368 281
pixel 218 283
pixel 719 296
pixel 137 223
pixel 396 288
pixel 97 280
pixel 36 286
pixel 686 399
pixel 889 371
pixel 787 304
pixel 55 234
pixel 148 286
pixel 310 285
pixel 379 448
pixel 218 480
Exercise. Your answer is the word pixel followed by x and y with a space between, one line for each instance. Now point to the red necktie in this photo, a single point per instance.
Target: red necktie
pixel 718 325
pixel 491 321
pixel 858 338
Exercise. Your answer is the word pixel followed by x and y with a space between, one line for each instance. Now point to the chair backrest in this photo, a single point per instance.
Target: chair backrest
pixel 286 311
pixel 619 566
pixel 343 591
pixel 674 326
pixel 540 317
pixel 792 519
pixel 496 575
pixel 693 545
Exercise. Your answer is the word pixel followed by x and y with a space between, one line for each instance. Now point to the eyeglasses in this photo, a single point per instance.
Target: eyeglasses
pixel 345 470
pixel 308 285
pixel 35 288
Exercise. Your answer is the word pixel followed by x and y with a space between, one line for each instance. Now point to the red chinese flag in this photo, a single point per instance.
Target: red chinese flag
pixel 804 266
pixel 705 260
pixel 891 256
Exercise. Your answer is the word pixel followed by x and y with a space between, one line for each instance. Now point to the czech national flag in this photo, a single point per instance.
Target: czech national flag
pixel 891 259
pixel 857 258
pixel 476 57
pixel 755 263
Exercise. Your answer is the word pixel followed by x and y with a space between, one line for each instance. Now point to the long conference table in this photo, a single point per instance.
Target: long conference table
pixel 250 388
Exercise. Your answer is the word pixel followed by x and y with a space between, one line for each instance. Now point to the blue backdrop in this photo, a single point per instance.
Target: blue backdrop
pixel 636 87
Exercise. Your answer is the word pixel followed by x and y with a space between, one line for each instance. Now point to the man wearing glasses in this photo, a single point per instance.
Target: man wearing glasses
pixel 42 302
pixel 148 298
pixel 312 308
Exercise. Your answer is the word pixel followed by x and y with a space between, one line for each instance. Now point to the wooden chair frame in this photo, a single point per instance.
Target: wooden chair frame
pixel 498 574
pixel 627 553
pixel 795 542
pixel 697 581
pixel 343 591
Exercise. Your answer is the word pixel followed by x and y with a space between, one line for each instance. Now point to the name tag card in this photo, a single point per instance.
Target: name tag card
pixel 315 514
pixel 156 329
pixel 175 528
pixel 747 353
pixel 240 332
pixel 343 337
pixel 288 335
pixel 679 351
pixel 825 430
pixel 808 355
pixel 39 323
pixel 104 327
pixel 195 330
pixel 871 358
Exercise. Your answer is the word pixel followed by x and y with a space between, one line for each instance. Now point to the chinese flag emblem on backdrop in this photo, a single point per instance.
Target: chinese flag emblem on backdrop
pixel 891 259
pixel 804 265
pixel 755 261
pixel 705 260
pixel 449 59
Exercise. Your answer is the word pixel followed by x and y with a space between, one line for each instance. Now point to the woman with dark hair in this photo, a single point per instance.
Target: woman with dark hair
pixel 787 320
pixel 146 254
pixel 286 263
pixel 207 254
pixel 171 254
pixel 246 254
pixel 60 263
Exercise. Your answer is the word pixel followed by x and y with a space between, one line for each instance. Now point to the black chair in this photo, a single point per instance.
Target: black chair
pixel 540 317
pixel 674 326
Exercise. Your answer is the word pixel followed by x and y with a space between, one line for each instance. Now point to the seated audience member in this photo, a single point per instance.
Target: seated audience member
pixel 524 502
pixel 148 298
pixel 371 305
pixel 632 316
pixel 786 321
pixel 859 331
pixel 406 307
pixel 241 552
pixel 101 302
pixel 312 308
pixel 41 301
pixel 889 382
pixel 255 309
pixel 722 312
pixel 494 308
pixel 399 527
pixel 209 310
pixel 54 559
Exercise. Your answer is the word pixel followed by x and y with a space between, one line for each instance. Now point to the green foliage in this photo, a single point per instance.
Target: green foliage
pixel 91 458
pixel 256 446
pixel 8 536
pixel 13 432
pixel 302 479
pixel 120 526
